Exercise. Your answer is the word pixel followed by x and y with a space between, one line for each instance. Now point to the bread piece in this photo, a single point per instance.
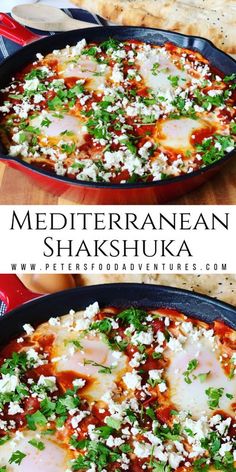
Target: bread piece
pixel 212 19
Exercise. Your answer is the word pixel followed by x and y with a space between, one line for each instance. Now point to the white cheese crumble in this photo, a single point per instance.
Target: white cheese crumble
pixel 8 383
pixel 132 380
pixel 28 328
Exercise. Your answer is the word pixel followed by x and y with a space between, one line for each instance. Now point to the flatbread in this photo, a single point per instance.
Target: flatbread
pixel 222 287
pixel 212 19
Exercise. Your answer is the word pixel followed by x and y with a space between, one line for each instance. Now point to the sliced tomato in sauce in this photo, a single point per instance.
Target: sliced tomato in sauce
pixel 163 414
pixel 200 134
pixel 124 175
pixel 31 405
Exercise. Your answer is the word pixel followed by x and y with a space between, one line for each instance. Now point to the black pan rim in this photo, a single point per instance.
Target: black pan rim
pixel 134 285
pixel 126 186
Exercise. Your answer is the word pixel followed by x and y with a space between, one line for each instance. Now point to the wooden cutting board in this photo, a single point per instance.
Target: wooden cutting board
pixel 16 189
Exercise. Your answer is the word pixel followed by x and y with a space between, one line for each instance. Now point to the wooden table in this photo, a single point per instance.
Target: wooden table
pixel 16 189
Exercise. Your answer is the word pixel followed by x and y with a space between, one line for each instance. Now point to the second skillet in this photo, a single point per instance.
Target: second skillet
pixel 120 295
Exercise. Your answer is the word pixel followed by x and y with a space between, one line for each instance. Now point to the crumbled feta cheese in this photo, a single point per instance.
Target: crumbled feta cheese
pixel 132 380
pixel 174 345
pixel 8 383
pixel 48 382
pixel 28 328
pixel 92 310
pixel 79 383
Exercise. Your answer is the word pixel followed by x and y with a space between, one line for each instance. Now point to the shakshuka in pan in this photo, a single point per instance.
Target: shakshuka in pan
pixel 119 390
pixel 119 112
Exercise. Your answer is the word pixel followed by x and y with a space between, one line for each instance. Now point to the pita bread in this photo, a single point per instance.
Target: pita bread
pixel 222 287
pixel 212 19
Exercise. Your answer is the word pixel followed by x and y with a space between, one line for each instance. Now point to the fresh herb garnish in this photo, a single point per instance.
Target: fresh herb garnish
pixel 17 457
pixel 134 316
pixel 155 68
pixel 104 326
pixel 37 444
pixel 214 396
pixel 103 368
pixel 192 365
pixel 97 453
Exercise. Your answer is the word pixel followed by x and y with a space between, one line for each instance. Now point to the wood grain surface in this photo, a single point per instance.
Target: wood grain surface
pixel 16 189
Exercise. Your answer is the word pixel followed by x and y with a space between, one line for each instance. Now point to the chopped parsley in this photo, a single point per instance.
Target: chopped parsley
pixel 98 453
pixel 214 396
pixel 134 316
pixel 104 326
pixel 103 368
pixel 17 457
pixel 155 68
pixel 37 444
pixel 192 365
pixel 174 80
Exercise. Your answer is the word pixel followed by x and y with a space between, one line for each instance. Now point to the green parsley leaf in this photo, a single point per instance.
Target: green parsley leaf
pixel 104 326
pixel 37 444
pixel 214 396
pixel 17 457
pixel 126 448
pixel 96 453
pixel 131 415
pixel 158 466
pixel 46 122
pixel 105 431
pixel 167 433
pixel 103 368
pixel 229 78
pixel 151 413
pixel 134 316
pixel 192 365
pixel 111 43
pixel 201 465
pixel 68 148
pixel 90 51
pixel 155 68
pixel 174 80
pixel 55 103
pixel 78 444
pixel 36 73
pixel 230 396
pixel 4 439
pixel 37 419
pixel 156 355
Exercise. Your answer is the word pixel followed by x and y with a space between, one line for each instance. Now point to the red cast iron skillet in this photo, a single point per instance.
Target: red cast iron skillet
pixel 96 192
pixel 120 295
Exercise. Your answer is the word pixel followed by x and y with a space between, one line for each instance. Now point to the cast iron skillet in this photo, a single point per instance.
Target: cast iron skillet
pixel 104 193
pixel 120 295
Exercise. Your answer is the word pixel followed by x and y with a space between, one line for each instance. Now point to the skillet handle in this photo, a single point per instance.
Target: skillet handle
pixel 13 293
pixel 11 29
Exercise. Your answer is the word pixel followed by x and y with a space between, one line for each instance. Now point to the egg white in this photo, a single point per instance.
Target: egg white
pixel 95 350
pixel 86 68
pixel 192 397
pixel 59 125
pixel 159 81
pixel 53 458
pixel 176 134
